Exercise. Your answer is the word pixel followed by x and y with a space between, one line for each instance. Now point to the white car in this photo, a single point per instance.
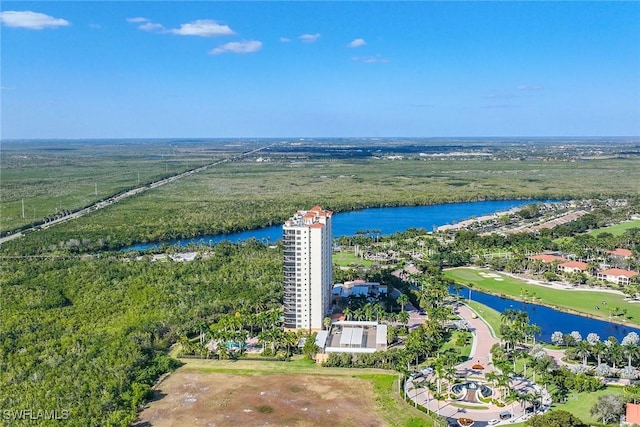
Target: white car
pixel 493 422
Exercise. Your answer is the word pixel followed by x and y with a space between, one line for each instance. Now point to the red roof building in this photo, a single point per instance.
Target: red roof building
pixel 547 258
pixel 633 413
pixel 573 266
pixel 617 275
pixel 620 252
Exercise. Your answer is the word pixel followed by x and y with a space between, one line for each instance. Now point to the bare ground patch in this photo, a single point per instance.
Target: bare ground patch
pixel 227 399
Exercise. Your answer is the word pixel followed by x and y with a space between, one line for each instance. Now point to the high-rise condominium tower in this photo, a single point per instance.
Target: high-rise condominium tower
pixel 307 268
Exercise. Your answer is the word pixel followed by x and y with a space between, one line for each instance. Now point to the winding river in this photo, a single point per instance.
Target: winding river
pixel 385 220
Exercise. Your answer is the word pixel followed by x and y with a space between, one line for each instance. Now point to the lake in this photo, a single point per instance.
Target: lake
pixel 550 320
pixel 387 220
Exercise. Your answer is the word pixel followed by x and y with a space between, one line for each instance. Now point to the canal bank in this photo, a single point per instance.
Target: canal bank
pixel 551 319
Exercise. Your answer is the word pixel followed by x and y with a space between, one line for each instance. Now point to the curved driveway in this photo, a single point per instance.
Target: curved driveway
pixel 483 339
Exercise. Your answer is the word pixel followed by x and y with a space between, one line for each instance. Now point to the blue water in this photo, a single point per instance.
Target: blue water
pixel 387 220
pixel 550 320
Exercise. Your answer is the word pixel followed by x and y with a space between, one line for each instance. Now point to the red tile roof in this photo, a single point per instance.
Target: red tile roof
pixel 546 258
pixel 621 252
pixel 316 225
pixel 617 272
pixel 633 413
pixel 574 264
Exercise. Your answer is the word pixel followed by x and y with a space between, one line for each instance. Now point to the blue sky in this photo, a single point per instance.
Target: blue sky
pixel 293 69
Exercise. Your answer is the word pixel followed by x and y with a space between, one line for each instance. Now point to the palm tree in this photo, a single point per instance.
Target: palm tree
pixel 492 377
pixel 584 351
pixel 378 311
pixel 503 383
pixel 542 366
pixel 368 311
pixel 614 353
pixel 403 317
pixel 513 396
pixel 290 339
pixel 598 350
pixel 403 300
pixel 347 313
pixel 632 351
pixel 531 331
pixel 525 399
pixel 264 337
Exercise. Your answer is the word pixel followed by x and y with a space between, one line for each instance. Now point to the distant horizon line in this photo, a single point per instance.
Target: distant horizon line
pixel 311 138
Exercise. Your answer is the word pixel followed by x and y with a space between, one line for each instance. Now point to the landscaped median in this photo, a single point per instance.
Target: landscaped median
pixel 568 300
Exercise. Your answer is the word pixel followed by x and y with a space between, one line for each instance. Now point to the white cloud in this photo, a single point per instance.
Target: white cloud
pixel 31 20
pixel 373 59
pixel 237 47
pixel 529 87
pixel 309 38
pixel 357 43
pixel 284 40
pixel 151 27
pixel 200 27
pixel 137 20
pixel 203 28
pixel 147 25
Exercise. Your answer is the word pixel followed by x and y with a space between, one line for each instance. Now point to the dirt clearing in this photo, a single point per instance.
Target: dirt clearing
pixel 227 399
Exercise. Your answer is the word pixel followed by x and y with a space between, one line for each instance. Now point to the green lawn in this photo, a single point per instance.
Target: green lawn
pixel 579 404
pixel 617 229
pixel 346 258
pixel 580 301
pixel 465 350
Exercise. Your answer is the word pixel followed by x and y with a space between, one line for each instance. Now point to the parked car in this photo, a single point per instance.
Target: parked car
pixel 493 422
pixel 505 415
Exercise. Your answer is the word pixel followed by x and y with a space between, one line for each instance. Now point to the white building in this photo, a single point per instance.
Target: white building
pixel 307 269
pixel 617 275
pixel 353 337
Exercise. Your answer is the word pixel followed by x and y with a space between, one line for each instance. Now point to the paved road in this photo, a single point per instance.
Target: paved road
pixel 115 199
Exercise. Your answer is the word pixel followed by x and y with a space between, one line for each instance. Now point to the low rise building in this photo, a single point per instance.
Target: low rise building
pixel 573 267
pixel 353 337
pixel 620 253
pixel 617 275
pixel 358 287
pixel 547 258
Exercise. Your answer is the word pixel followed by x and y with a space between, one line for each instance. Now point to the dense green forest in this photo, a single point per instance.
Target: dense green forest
pixel 90 336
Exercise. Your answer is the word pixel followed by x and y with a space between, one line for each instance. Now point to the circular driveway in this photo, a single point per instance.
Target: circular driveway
pixel 483 339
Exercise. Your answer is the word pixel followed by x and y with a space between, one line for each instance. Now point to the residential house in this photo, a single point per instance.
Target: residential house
pixel 573 267
pixel 620 253
pixel 547 258
pixel 617 275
